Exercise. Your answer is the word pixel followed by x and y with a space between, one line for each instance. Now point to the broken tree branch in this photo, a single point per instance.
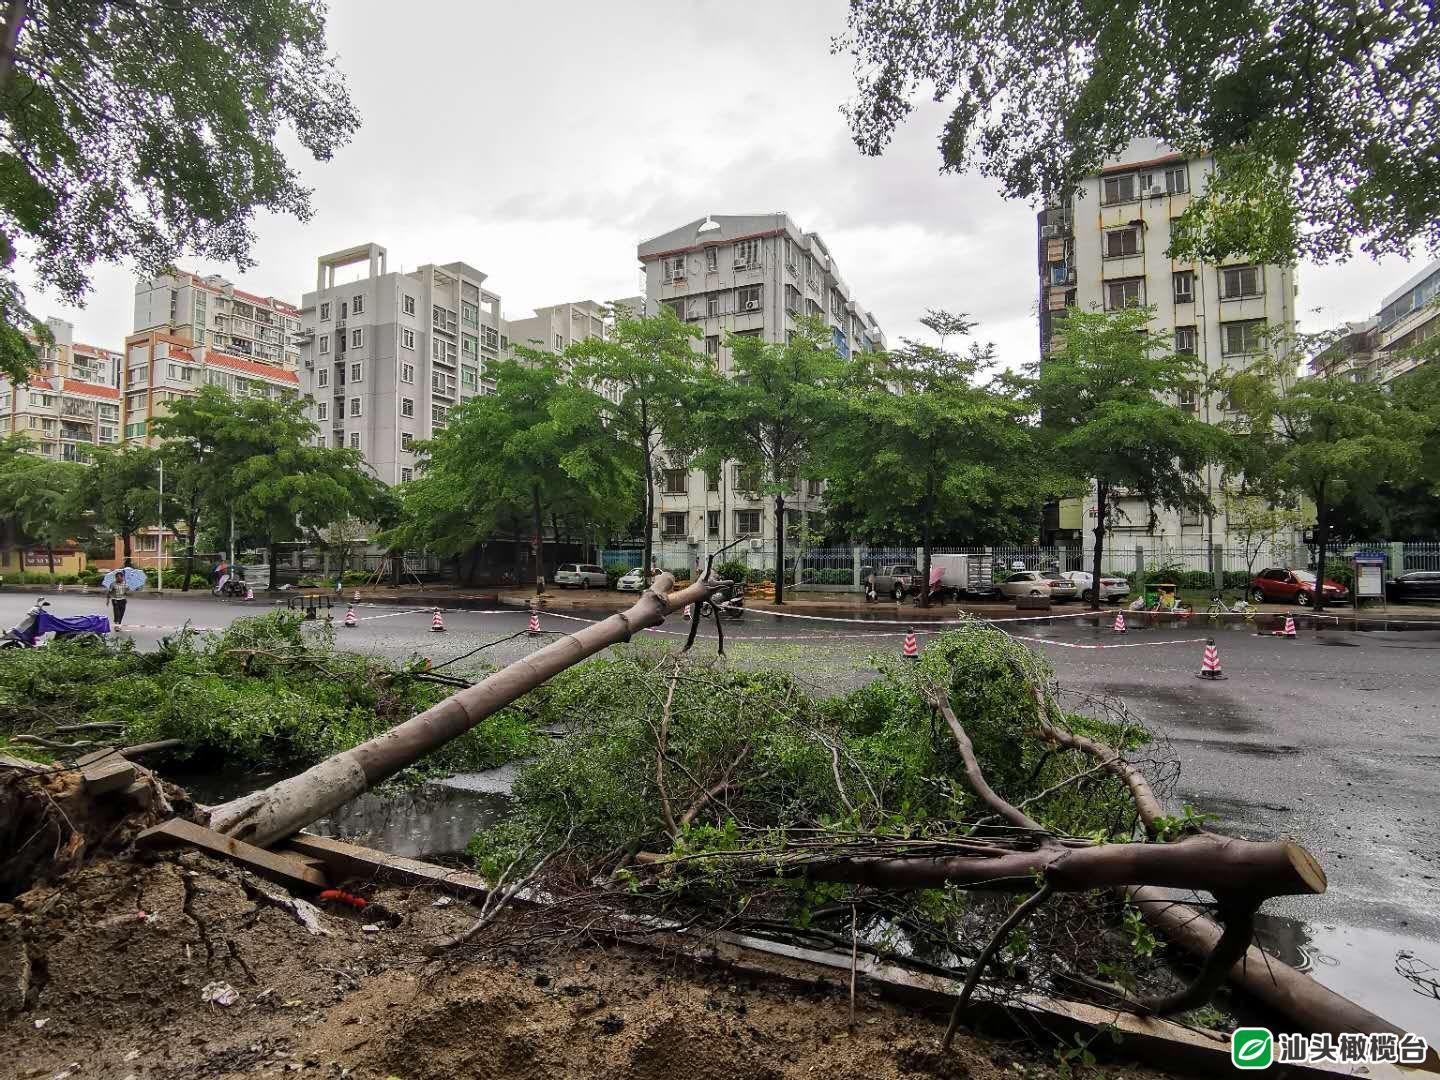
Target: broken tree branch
pixel 976 778
pixel 1003 931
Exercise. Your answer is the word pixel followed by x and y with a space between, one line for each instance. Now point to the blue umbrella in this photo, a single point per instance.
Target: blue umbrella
pixel 134 579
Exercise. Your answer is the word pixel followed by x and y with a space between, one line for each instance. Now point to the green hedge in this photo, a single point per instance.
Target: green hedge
pixel 614 571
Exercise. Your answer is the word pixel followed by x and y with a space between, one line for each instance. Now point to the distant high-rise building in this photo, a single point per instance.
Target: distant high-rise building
pixel 70 403
pixel 213 313
pixel 386 357
pixel 559 326
pixel 744 274
pixel 1108 248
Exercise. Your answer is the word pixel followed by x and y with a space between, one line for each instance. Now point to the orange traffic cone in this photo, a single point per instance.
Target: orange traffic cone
pixel 1119 627
pixel 534 627
pixel 350 619
pixel 912 650
pixel 1289 630
pixel 1210 664
pixel 437 624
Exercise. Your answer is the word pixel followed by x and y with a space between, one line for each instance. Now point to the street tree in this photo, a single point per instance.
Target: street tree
pixel 121 491
pixel 1324 116
pixel 639 385
pixel 930 447
pixel 1255 523
pixel 1320 437
pixel 140 130
pixel 1109 416
pixel 771 414
pixel 40 494
pixel 533 448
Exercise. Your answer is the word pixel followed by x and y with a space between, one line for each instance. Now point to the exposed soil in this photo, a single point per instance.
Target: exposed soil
pixel 120 951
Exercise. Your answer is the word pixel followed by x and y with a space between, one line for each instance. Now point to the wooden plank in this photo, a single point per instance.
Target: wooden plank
pixel 112 775
pixel 266 864
pixel 95 755
pixel 344 860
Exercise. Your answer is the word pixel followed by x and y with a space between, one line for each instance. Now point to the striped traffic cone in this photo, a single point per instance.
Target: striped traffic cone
pixel 1119 627
pixel 1289 629
pixel 350 619
pixel 437 624
pixel 1210 664
pixel 534 627
pixel 912 650
pixel 356 598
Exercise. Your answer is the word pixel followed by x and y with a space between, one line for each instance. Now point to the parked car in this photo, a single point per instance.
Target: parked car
pixel 634 581
pixel 1416 585
pixel 1036 583
pixel 1289 586
pixel 1111 588
pixel 896 580
pixel 581 576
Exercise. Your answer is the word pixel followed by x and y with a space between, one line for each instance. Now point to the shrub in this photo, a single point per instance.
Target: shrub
pixel 614 571
pixel 733 570
pixel 1341 571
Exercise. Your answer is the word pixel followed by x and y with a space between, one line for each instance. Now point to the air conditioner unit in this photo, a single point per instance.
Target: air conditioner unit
pixel 1070 278
pixel 752 305
pixel 757 544
pixel 1154 191
pixel 742 266
pixel 1049 232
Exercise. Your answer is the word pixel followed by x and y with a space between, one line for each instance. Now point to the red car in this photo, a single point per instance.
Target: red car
pixel 1292 587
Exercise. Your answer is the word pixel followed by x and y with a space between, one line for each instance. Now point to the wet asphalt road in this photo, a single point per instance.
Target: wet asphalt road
pixel 1332 739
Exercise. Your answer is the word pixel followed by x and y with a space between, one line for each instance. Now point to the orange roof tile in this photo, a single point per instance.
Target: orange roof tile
pixel 250 367
pixel 78 386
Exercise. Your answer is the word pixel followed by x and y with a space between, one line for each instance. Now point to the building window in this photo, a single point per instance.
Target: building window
pixel 793 301
pixel 354 406
pixel 747 481
pixel 677 306
pixel 712 304
pixel 1185 339
pixel 407 373
pixel 1176 180
pixel 407 406
pixel 324 344
pixel 357 305
pixel 325 311
pixel 1122 242
pixel 1242 337
pixel 407 440
pixel 354 440
pixel 712 481
pixel 814 487
pixel 469 313
pixel 357 338
pixel 490 339
pixel 322 377
pixel 407 338
pixel 438 414
pixel 559 343
pixel 407 305
pixel 1238 282
pixel 1187 399
pixel 470 378
pixel 749 298
pixel 1122 294
pixel 747 254
pixel 340 409
pixel 712 260
pixel 673 268
pixel 672 525
pixel 1184 281
pixel 322 410
pixel 406 475
pixel 712 524
pixel 1117 189
pixel 712 345
pixel 747 523
pixel 470 345
pixel 674 482
pixel 357 373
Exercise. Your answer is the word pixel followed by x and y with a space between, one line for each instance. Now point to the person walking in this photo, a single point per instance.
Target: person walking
pixel 117 592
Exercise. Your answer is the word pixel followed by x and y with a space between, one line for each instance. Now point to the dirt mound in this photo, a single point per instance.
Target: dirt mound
pixel 121 955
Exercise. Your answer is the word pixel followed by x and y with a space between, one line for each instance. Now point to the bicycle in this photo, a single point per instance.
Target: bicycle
pixel 1219 609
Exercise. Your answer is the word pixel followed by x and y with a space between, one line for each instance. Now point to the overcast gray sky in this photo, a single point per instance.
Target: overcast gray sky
pixel 541 141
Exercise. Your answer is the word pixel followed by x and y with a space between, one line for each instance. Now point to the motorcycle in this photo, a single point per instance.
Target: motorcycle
pixel 31 631
pixel 230 587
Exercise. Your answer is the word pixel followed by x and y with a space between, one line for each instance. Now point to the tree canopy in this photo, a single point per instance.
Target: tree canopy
pixel 140 130
pixel 1323 115
pixel 121 490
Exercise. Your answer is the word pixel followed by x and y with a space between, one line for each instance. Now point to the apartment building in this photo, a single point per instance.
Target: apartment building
pixel 1107 248
pixel 1379 350
pixel 212 313
pixel 70 403
pixel 744 274
pixel 161 367
pixel 556 328
pixel 385 357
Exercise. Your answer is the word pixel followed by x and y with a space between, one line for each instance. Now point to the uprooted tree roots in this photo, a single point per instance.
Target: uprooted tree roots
pixel 708 797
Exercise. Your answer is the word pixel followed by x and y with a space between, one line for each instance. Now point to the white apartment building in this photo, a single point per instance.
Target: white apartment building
pixel 1376 350
pixel 70 403
pixel 385 357
pixel 1108 249
pixel 751 274
pixel 211 312
pixel 559 326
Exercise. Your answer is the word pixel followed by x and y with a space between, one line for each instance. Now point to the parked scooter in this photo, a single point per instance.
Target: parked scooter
pixel 38 622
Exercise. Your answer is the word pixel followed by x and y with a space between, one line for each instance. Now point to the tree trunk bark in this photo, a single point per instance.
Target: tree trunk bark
pixel 191 524
pixel 925 543
pixel 50 558
pixel 272 550
pixel 1322 543
pixel 539 542
pixel 648 551
pixel 779 548
pixel 15 12
pixel 288 806
pixel 1102 490
pixel 125 542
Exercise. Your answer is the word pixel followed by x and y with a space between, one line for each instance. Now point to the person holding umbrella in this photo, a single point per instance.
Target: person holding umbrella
pixel 118 586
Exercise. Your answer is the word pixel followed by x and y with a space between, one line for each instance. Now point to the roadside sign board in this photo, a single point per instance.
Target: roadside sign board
pixel 1369 575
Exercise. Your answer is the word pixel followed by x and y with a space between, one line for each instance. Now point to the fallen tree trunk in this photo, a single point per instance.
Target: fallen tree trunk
pixel 288 806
